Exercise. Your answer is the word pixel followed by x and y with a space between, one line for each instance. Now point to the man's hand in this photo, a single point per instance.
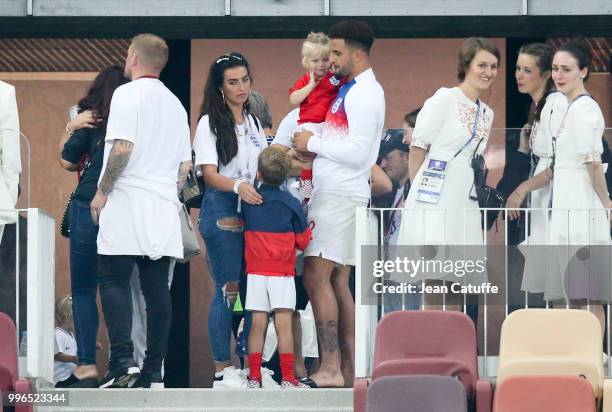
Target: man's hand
pixel 300 140
pixel 97 204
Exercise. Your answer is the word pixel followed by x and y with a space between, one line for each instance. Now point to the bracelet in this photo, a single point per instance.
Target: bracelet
pixel 69 130
pixel 237 183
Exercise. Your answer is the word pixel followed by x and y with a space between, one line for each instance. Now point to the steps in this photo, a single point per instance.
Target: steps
pixel 214 400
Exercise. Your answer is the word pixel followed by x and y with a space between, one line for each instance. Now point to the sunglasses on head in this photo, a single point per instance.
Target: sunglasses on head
pixel 227 57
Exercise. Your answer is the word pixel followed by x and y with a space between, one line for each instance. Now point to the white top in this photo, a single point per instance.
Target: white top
pixel 10 155
pixel 284 133
pixel 350 140
pixel 141 216
pixel 65 343
pixel 550 121
pixel 579 137
pixel 250 143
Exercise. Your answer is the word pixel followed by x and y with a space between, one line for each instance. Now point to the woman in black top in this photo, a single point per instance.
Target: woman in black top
pixel 82 149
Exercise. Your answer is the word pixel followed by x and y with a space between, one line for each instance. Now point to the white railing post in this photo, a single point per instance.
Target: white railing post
pixel 365 315
pixel 40 295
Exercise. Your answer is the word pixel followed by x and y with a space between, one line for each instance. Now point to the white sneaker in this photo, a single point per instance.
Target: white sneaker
pixel 267 381
pixel 232 379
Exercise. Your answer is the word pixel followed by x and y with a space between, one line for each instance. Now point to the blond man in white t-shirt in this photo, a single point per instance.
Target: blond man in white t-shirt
pixel 146 160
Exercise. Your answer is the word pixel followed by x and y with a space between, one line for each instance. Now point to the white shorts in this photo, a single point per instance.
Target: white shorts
pixel 332 221
pixel 266 293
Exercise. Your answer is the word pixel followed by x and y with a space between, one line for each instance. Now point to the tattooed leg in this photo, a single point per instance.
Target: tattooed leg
pixel 317 281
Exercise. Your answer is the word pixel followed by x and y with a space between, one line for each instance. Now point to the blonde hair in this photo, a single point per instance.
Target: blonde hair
pixel 315 45
pixel 273 164
pixel 152 51
pixel 63 310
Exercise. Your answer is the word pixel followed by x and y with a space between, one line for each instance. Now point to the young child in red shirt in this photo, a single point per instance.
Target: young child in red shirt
pixel 314 92
pixel 272 232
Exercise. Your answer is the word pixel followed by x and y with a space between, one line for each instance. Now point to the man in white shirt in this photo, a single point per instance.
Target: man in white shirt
pixel 146 160
pixel 10 155
pixel 346 152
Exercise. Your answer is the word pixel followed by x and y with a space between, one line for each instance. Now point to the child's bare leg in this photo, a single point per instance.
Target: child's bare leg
pixel 282 321
pixel 256 343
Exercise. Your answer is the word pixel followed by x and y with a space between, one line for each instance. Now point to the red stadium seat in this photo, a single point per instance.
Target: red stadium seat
pixel 9 374
pixel 545 393
pixel 430 342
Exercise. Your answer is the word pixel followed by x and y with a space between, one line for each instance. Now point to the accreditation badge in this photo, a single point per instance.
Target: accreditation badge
pixel 432 181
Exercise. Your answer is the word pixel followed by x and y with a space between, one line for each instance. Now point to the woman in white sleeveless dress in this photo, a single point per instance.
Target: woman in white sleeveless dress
pixel 448 131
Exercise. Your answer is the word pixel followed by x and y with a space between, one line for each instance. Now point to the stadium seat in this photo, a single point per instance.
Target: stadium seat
pixel 429 342
pixel 9 374
pixel 555 352
pixel 545 393
pixel 416 393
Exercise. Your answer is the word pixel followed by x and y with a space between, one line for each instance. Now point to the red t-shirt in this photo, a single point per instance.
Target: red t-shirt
pixel 313 108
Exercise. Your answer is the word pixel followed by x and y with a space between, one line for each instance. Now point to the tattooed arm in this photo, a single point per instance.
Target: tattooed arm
pixel 117 161
pixel 115 165
pixel 184 169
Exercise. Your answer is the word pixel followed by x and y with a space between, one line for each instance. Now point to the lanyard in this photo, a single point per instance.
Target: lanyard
pixel 473 130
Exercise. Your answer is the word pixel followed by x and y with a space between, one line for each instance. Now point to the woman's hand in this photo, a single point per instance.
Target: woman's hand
pixel 84 120
pixel 515 200
pixel 249 194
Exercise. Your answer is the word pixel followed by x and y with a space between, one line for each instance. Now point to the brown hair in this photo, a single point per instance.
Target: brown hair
pixel 152 51
pixel 410 118
pixel 468 50
pixel 542 54
pixel 273 165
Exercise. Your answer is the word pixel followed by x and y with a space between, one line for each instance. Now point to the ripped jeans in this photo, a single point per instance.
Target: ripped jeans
pixel 222 230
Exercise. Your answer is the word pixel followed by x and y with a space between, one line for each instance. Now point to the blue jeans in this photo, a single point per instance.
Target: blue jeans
pixel 225 248
pixel 84 280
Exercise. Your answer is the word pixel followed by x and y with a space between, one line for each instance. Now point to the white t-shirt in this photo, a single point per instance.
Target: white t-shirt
pixel 65 343
pixel 141 216
pixel 350 140
pixel 250 143
pixel 285 131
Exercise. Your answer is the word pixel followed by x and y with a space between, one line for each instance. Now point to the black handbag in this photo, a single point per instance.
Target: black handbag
pixel 488 197
pixel 194 189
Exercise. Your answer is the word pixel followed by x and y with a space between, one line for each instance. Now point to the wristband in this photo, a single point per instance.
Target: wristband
pixel 237 183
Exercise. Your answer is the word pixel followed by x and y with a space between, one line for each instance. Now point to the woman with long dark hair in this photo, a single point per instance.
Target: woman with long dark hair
pixel 84 139
pixel 227 144
pixel 533 155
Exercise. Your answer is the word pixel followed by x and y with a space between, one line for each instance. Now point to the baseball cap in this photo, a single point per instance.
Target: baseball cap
pixel 392 140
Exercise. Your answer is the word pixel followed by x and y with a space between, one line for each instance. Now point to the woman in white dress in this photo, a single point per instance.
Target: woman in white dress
pixel 448 130
pixel 579 193
pixel 581 218
pixel 452 125
pixel 533 76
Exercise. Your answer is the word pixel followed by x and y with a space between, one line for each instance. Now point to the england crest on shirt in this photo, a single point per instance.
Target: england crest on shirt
pixel 336 105
pixel 334 81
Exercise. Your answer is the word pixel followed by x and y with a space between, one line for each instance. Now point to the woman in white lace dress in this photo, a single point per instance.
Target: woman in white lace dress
pixel 452 125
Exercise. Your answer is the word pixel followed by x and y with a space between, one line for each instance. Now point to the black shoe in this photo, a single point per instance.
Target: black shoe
pixel 121 376
pixel 151 380
pixel 74 382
